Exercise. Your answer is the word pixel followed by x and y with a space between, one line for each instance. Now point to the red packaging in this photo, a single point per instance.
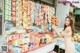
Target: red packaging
pixel 13 9
pixel 13 37
pixel 51 34
pixel 10 42
pixel 13 3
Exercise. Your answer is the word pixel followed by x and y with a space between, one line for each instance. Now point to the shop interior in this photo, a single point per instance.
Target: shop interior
pixel 26 25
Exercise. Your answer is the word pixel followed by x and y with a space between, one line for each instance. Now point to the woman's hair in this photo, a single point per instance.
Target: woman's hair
pixel 71 24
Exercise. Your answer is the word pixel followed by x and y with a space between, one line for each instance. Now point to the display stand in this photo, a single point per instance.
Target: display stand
pixel 44 49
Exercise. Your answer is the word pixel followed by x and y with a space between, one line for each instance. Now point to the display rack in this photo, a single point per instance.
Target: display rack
pixel 28 25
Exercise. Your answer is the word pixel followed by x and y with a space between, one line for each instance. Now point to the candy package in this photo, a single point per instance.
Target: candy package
pixel 49 39
pixel 26 47
pixel 15 43
pixel 54 20
pixel 37 42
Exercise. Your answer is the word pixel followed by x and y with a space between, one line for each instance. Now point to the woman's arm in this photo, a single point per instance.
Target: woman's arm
pixel 58 33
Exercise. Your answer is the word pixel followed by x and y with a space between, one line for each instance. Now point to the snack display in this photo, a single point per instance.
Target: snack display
pixel 32 42
pixel 27 26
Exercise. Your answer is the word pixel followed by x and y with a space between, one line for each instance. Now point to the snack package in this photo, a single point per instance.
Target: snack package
pixel 39 35
pixel 13 0
pixel 51 34
pixel 13 9
pixel 13 37
pixel 26 47
pixel 49 39
pixel 31 46
pixel 32 39
pixel 78 38
pixel 21 45
pixel 43 40
pixel 25 40
pixel 37 42
pixel 53 11
pixel 16 50
pixel 54 20
pixel 15 43
pixel 19 10
pixel 19 42
pixel 9 42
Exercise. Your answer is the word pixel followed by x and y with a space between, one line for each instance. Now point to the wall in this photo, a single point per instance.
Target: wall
pixel 77 4
pixel 61 12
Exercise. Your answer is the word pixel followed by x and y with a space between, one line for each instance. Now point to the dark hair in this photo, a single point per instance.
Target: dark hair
pixel 71 24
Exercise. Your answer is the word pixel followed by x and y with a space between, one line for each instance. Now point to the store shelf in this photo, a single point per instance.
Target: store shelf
pixel 44 49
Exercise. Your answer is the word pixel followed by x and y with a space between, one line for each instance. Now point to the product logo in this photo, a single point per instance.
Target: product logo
pixel 65 2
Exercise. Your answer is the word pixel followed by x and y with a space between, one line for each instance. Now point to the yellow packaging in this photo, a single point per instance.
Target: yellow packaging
pixel 37 42
pixel 15 43
pixel 49 39
pixel 19 41
pixel 25 40
pixel 26 47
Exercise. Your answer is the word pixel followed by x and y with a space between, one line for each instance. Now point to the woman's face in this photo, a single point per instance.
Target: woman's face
pixel 67 22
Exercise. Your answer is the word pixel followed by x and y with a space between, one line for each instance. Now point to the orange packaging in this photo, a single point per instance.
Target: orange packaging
pixel 10 42
pixel 26 47
pixel 49 38
pixel 37 42
pixel 54 20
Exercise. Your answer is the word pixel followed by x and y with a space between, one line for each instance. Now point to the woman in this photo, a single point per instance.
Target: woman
pixel 68 34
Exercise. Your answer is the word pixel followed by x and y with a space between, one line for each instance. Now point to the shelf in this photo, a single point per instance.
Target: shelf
pixel 44 49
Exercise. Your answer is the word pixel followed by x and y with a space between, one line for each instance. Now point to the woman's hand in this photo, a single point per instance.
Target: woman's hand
pixel 57 32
